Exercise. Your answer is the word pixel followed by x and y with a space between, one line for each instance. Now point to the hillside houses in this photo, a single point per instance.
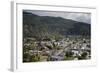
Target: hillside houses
pixel 56 50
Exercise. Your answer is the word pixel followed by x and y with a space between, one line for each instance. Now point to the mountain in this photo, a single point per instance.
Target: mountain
pixel 34 25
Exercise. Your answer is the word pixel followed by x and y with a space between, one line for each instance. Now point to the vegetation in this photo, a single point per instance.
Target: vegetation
pixel 48 38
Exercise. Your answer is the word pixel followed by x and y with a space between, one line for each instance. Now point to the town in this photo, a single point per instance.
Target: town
pixel 69 48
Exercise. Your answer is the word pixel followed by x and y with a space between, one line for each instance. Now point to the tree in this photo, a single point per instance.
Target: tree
pixel 83 56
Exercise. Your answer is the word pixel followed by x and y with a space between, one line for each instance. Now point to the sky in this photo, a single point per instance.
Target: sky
pixel 77 16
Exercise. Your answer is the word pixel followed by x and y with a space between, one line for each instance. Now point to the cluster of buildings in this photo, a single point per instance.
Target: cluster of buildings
pixel 76 47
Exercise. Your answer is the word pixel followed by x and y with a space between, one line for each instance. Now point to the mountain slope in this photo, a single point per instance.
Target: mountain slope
pixel 34 25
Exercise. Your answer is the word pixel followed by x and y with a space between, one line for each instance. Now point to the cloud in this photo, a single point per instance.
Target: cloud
pixel 77 16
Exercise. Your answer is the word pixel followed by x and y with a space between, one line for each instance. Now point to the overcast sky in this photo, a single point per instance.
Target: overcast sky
pixel 81 17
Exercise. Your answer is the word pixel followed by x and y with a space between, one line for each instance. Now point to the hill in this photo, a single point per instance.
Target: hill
pixel 44 26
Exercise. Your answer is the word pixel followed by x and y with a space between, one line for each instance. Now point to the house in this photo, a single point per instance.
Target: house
pixel 58 55
pixel 75 52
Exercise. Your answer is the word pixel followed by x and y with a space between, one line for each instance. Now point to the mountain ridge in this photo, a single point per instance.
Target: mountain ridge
pixel 34 24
